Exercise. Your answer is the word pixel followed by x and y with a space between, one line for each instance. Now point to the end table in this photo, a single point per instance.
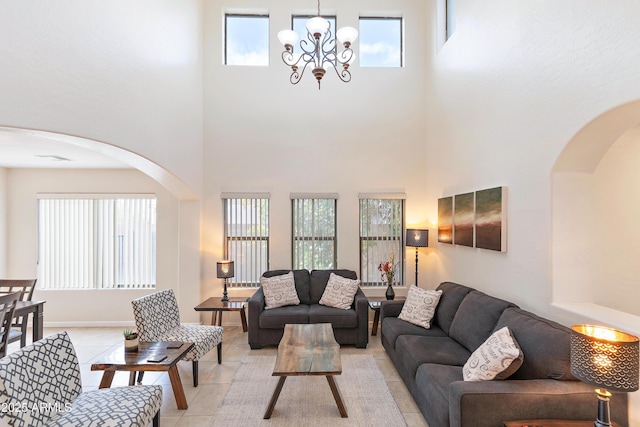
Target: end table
pixel 374 304
pixel 217 306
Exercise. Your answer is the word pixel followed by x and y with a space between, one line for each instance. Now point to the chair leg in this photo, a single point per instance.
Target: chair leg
pixel 156 419
pixel 140 375
pixel 195 372
pixel 219 353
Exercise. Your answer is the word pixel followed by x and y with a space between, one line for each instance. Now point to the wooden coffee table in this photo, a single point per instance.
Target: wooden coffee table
pixel 308 350
pixel 165 354
pixel 217 306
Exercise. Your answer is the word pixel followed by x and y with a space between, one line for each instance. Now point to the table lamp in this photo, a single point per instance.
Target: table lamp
pixel 606 358
pixel 417 239
pixel 224 271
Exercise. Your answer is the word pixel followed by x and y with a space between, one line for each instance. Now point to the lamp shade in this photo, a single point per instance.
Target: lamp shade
pixel 347 35
pixel 604 357
pixel 225 269
pixel 417 238
pixel 317 25
pixel 288 37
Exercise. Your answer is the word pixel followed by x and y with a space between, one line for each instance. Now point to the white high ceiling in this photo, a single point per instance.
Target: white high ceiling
pixel 19 150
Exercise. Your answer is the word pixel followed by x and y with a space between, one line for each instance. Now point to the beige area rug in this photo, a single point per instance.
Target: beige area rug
pixel 307 401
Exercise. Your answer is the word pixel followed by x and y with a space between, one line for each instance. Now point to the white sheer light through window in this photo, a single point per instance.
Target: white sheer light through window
pixel 86 242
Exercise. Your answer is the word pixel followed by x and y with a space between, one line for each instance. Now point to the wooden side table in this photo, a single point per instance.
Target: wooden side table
pixel 552 423
pixel 374 304
pixel 217 307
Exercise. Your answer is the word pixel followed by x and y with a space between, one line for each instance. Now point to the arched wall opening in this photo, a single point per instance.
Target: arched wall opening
pixel 178 230
pixel 596 221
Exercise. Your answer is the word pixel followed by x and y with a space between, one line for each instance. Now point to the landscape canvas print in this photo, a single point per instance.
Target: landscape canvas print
pixel 463 219
pixel 491 220
pixel 445 220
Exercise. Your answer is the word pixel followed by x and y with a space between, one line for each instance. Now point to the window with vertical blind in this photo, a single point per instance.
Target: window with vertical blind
pixel 313 231
pixel 96 241
pixel 246 236
pixel 381 233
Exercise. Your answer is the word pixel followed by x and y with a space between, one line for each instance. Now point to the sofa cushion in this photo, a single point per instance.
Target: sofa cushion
pixel 339 292
pixel 413 351
pixel 318 281
pixel 452 296
pixel 420 306
pixel 301 277
pixel 392 328
pixel 433 383
pixel 279 291
pixel 338 317
pixel 497 358
pixel 278 317
pixel 476 319
pixel 546 345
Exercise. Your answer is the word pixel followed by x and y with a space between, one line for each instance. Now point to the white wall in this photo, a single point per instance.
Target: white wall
pixel 89 307
pixel 514 84
pixel 121 72
pixel 264 134
pixel 3 222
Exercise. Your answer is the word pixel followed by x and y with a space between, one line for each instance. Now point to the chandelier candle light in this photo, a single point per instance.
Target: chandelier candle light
pixel 319 51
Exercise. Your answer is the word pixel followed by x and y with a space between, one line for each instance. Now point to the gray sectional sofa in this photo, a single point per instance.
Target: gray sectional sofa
pixel 430 363
pixel 266 327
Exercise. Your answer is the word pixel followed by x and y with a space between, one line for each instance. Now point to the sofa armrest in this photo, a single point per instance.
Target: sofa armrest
pixel 256 306
pixel 390 309
pixel 511 400
pixel 361 306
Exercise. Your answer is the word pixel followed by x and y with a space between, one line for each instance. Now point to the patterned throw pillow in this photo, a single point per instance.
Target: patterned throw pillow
pixel 420 306
pixel 497 358
pixel 279 291
pixel 339 292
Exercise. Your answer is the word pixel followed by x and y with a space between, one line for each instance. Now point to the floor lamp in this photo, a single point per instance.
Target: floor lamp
pixel 224 271
pixel 417 239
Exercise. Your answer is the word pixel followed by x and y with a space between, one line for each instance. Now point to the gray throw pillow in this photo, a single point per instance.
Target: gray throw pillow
pixel 279 291
pixel 339 292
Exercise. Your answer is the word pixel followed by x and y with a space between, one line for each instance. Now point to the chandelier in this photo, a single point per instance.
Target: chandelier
pixel 318 50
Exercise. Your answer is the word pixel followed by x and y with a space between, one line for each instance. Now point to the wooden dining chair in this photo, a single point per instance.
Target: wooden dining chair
pixel 25 287
pixel 7 307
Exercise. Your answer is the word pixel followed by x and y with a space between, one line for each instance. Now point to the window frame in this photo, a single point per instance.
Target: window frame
pixel 239 268
pixel 103 238
pixel 226 35
pixel 400 45
pixel 313 198
pixel 365 280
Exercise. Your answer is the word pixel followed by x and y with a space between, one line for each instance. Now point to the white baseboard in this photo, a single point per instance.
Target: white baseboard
pixel 98 324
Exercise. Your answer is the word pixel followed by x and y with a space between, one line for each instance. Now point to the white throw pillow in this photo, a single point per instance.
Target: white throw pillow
pixel 339 292
pixel 497 358
pixel 420 306
pixel 279 291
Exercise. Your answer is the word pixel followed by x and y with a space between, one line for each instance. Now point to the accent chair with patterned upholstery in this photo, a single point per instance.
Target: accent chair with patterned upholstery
pixel 158 319
pixel 40 386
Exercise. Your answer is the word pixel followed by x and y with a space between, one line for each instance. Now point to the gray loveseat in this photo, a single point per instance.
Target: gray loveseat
pixel 266 327
pixel 430 363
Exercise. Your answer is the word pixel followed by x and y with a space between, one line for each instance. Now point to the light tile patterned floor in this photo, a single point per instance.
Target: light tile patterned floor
pixel 214 381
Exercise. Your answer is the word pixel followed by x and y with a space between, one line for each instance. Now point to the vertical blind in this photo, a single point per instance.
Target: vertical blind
pixel 93 243
pixel 314 232
pixel 246 220
pixel 381 233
